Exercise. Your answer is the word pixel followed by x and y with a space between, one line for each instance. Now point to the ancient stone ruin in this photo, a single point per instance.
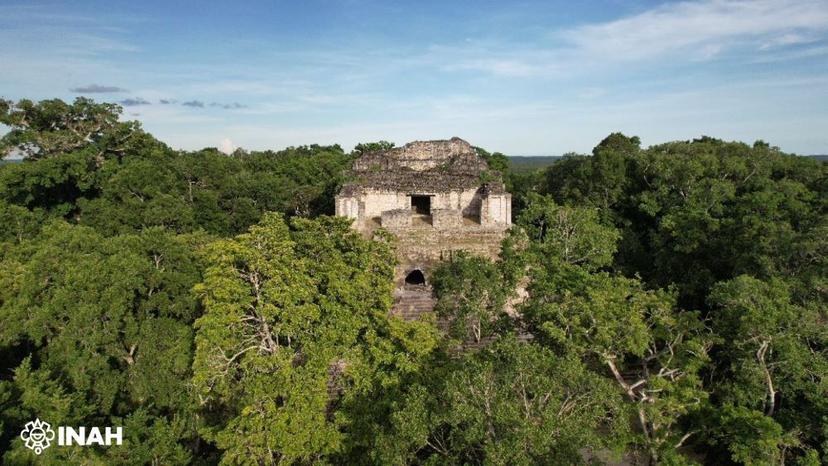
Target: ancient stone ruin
pixel 436 197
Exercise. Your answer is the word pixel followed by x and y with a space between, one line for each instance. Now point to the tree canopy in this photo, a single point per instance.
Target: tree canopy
pixel 651 305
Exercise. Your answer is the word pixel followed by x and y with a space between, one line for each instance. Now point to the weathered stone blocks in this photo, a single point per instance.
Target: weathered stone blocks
pixel 446 218
pixel 396 219
pixel 464 212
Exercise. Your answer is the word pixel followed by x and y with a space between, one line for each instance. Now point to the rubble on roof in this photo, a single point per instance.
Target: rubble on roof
pixel 423 166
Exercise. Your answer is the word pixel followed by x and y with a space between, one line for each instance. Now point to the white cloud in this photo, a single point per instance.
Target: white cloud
pixel 685 31
pixel 686 25
pixel 788 39
pixel 497 66
pixel 227 146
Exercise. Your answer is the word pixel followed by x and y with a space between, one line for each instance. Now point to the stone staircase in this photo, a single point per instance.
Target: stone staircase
pixel 411 302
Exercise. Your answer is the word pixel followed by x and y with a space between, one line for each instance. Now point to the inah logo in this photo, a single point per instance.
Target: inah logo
pixel 37 435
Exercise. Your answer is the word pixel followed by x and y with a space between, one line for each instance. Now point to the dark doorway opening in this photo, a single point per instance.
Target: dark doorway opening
pixel 421 204
pixel 415 277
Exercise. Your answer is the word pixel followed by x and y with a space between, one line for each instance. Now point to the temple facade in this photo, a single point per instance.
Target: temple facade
pixel 435 197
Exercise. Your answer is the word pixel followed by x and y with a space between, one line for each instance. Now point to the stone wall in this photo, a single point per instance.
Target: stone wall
pixel 466 201
pixel 377 202
pixel 466 213
pixel 446 218
pixel 367 204
pixel 424 248
pixel 396 219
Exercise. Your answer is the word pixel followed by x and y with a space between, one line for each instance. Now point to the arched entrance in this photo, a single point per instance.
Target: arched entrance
pixel 415 277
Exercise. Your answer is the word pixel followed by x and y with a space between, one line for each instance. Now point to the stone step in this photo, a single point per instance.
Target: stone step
pixel 411 304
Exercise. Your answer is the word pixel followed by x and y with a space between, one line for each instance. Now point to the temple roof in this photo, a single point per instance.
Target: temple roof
pixel 424 166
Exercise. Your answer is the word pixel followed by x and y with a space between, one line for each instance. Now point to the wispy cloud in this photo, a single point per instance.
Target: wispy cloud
pixel 133 102
pixel 97 89
pixel 230 106
pixel 789 39
pixel 46 49
pixel 505 66
pixel 778 56
pixel 687 26
pixel 684 32
pixel 193 103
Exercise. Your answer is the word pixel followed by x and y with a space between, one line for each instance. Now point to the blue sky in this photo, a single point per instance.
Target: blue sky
pixel 520 77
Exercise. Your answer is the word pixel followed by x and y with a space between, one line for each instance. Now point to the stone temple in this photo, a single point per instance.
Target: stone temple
pixel 436 197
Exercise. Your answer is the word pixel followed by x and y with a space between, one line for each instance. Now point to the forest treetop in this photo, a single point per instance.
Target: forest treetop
pixel 675 295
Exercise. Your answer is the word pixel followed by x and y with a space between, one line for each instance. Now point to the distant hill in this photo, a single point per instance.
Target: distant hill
pixel 521 163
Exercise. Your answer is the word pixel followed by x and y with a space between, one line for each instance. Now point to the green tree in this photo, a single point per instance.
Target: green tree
pixel 509 403
pixel 18 223
pixel 496 160
pixel 365 147
pixel 98 331
pixel 773 363
pixel 472 294
pixel 296 327
pixel 86 166
pixel 52 127
pixel 652 351
pixel 600 180
pixel 697 212
pixel 68 148
pixel 568 234
pixel 303 180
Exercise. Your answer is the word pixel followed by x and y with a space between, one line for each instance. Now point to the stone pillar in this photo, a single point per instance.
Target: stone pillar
pixel 347 207
pixel 496 209
pixel 488 210
pixel 508 209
